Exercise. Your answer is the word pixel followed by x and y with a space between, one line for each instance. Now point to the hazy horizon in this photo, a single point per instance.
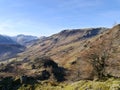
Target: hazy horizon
pixel 44 18
pixel 50 34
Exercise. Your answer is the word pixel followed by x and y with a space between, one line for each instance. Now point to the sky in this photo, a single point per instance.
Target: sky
pixel 46 17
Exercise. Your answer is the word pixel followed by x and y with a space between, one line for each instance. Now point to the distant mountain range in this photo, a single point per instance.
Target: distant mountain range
pixel 23 39
pixel 10 46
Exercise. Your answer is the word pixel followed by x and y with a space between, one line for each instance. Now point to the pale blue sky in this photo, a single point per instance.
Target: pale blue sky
pixel 46 17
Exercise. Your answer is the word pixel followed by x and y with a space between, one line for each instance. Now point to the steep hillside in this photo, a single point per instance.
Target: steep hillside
pixel 101 57
pixel 88 54
pixel 63 46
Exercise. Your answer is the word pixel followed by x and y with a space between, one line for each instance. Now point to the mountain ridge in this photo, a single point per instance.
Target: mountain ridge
pixel 68 58
pixel 64 39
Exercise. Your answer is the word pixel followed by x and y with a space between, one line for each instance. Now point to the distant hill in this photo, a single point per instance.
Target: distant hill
pixel 6 40
pixel 24 39
pixel 9 51
pixel 9 48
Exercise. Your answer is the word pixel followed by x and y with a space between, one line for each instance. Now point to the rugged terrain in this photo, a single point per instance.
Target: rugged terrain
pixel 62 47
pixel 81 59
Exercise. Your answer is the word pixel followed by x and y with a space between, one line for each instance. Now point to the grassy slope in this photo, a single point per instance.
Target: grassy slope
pixel 61 47
pixel 110 84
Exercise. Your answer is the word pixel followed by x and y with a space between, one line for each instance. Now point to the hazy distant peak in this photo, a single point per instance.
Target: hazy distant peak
pixel 23 39
pixel 22 35
pixel 6 40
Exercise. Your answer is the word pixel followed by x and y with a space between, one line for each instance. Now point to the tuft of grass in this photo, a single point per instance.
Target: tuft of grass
pixel 110 84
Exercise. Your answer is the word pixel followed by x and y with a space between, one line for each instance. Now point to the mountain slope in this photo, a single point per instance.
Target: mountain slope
pixel 63 46
pixel 6 40
pixel 101 56
pixel 74 51
pixel 9 51
pixel 80 60
pixel 9 48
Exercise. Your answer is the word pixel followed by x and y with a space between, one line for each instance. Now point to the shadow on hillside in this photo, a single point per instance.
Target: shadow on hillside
pixel 51 71
pixel 9 83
